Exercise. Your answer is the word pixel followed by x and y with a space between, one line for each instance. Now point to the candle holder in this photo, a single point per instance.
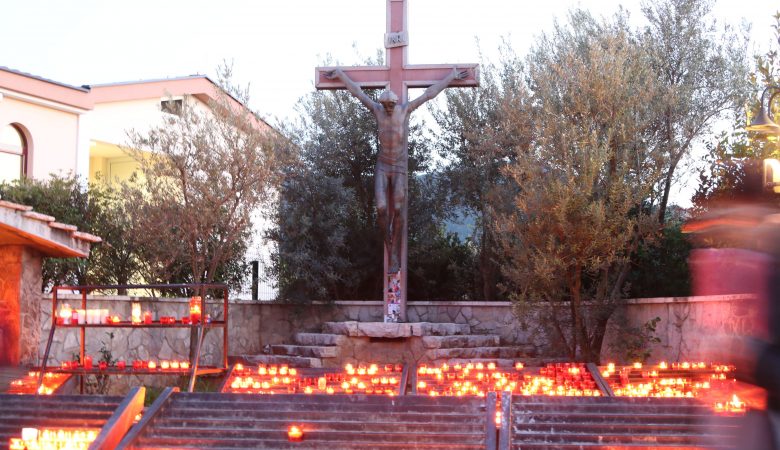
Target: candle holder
pixel 195 309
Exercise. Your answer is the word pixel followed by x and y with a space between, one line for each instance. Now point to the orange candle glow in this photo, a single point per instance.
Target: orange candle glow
pixel 295 433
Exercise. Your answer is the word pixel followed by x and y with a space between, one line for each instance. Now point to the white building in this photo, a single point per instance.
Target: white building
pixel 48 127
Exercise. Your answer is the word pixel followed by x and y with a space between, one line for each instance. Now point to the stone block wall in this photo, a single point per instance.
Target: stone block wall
pixel 690 328
pixel 146 343
pixel 20 286
pixel 699 328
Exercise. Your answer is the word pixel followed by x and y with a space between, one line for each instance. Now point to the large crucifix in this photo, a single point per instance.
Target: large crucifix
pixel 392 113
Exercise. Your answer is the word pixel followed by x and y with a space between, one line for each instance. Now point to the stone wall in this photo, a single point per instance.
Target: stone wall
pixel 691 328
pixel 146 343
pixel 20 285
pixel 695 327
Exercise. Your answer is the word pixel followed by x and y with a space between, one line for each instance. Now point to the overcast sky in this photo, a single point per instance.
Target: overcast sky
pixel 275 44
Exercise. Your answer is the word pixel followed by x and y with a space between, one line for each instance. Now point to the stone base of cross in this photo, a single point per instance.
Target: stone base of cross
pixel 398 77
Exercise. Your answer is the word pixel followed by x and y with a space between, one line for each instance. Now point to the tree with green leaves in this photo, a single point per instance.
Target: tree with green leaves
pixel 203 172
pixel 580 209
pixel 93 208
pixel 476 144
pixel 701 73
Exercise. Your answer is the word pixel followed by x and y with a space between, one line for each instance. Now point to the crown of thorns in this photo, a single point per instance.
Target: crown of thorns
pixel 388 96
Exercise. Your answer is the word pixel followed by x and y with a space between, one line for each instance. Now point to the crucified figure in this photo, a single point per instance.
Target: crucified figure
pixel 392 121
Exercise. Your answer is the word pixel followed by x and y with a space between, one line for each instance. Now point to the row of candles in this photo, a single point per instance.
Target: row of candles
pixel 477 379
pixel 72 316
pixel 363 379
pixel 29 383
pixel 45 439
pixel 679 379
pixel 137 364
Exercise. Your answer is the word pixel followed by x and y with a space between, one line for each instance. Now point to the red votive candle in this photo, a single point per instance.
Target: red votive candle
pixel 121 365
pixel 87 362
pixel 103 365
pixel 147 317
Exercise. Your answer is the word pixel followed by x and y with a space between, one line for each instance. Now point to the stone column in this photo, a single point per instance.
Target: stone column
pixel 20 305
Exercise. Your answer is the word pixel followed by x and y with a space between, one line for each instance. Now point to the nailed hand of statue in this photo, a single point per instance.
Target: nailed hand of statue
pixel 462 74
pixel 331 74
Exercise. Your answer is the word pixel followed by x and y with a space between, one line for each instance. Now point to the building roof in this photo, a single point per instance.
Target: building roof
pixel 20 225
pixel 85 97
pixel 24 84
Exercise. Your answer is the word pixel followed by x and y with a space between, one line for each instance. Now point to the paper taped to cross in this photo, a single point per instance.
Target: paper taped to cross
pixel 393 298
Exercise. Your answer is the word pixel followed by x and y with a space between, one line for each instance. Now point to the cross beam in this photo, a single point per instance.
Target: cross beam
pixel 380 77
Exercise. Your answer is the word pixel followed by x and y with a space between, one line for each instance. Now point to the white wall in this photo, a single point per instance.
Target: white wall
pixel 52 135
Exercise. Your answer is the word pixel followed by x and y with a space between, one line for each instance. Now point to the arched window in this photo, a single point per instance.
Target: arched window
pixel 13 153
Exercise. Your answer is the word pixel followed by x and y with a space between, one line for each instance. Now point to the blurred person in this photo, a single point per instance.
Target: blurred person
pixel 745 234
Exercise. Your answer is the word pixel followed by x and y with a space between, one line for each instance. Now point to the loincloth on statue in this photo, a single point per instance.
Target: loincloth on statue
pixel 390 165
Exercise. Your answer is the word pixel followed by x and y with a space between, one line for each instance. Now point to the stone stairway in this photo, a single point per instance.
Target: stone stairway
pixel 420 342
pixel 53 412
pixel 328 422
pixel 617 422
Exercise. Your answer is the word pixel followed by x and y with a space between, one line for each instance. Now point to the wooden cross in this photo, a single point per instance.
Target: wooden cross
pixel 399 77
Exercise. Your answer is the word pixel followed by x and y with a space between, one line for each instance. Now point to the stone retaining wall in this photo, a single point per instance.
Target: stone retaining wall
pixel 692 327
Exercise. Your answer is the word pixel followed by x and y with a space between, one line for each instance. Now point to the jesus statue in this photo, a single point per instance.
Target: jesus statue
pixel 390 176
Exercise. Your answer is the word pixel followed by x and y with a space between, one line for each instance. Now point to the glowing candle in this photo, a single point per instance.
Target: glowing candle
pixel 135 313
pixel 165 365
pixel 152 365
pixel 295 433
pixel 184 365
pixel 66 313
pixel 147 317
pixel 174 364
pixel 195 311
pixel 29 434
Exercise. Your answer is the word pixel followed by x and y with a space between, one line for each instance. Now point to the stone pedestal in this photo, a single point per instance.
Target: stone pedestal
pixel 20 307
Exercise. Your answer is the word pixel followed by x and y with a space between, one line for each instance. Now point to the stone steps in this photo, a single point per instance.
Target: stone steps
pixel 423 342
pixel 394 330
pixel 473 340
pixel 320 339
pixel 62 411
pixel 616 422
pixel 328 422
pixel 477 353
pixel 307 351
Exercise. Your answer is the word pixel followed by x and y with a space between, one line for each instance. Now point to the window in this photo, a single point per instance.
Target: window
pixel 13 154
pixel 171 106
